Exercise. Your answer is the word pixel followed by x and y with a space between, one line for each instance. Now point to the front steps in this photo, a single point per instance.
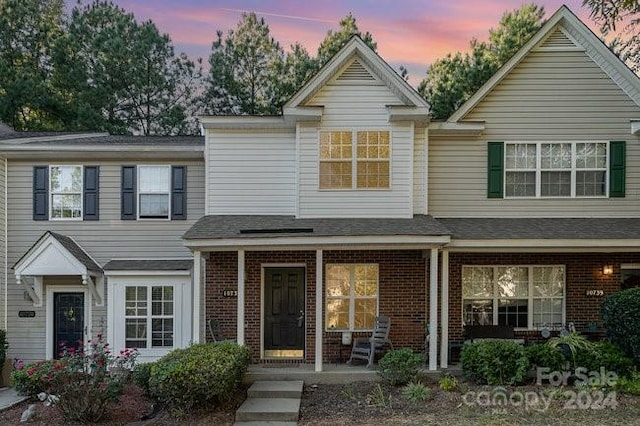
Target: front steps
pixel 271 403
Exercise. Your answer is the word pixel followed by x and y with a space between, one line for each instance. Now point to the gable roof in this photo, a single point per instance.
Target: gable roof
pixel 367 60
pixel 578 33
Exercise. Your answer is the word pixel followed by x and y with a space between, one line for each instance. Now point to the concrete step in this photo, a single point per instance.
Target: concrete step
pixel 267 423
pixel 276 389
pixel 269 409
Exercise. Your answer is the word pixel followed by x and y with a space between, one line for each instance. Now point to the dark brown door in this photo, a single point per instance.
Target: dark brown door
pixel 68 321
pixel 284 321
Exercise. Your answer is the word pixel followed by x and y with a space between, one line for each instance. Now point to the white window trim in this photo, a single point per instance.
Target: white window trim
pixel 354 159
pixel 116 332
pixel 51 289
pixel 530 298
pixel 138 193
pixel 50 194
pixel 352 297
pixel 538 170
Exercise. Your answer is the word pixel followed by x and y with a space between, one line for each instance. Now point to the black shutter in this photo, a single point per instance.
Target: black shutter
pixel 495 169
pixel 179 193
pixel 91 193
pixel 128 197
pixel 41 193
pixel 617 166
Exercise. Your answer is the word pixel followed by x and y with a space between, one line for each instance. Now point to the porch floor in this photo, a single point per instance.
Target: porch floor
pixel 330 374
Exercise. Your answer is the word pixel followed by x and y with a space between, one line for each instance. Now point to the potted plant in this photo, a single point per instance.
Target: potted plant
pixel 570 344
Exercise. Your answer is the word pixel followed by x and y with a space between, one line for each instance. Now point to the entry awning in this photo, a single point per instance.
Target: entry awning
pixel 57 254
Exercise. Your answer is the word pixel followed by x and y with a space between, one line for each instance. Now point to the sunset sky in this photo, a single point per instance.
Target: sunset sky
pixel 412 33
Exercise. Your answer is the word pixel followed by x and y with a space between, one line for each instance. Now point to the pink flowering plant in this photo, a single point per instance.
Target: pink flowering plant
pixel 80 379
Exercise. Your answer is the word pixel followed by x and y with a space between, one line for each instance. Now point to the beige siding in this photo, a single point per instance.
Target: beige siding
pixel 3 240
pixel 251 172
pixel 358 105
pixel 104 240
pixel 551 96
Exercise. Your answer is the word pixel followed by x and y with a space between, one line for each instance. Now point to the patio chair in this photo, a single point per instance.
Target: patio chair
pixel 215 331
pixel 366 348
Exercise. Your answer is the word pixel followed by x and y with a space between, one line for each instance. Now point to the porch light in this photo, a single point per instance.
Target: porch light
pixel 607 269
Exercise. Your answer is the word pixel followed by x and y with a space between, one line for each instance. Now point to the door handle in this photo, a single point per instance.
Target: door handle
pixel 301 318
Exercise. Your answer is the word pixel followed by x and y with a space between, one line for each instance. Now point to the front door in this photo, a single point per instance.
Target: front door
pixel 284 315
pixel 68 321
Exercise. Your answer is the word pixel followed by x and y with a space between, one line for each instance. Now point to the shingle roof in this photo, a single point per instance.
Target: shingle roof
pixel 78 252
pixel 125 140
pixel 246 226
pixel 149 265
pixel 542 228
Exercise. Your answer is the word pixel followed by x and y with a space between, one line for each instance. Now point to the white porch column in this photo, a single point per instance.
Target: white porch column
pixel 240 319
pixel 433 310
pixel 444 311
pixel 319 305
pixel 197 282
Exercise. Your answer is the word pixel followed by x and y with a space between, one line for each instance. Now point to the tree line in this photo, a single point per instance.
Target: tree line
pixel 97 68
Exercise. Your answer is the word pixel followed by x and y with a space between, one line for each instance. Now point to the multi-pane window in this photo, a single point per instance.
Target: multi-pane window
pixel 66 192
pixel 154 191
pixel 568 169
pixel 149 316
pixel 352 296
pixel 519 296
pixel 363 166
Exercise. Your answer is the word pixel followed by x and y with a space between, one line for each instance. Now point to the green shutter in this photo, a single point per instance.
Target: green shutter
pixel 617 164
pixel 495 170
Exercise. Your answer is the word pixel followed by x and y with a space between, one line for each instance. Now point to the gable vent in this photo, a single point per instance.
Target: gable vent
pixel 558 40
pixel 355 72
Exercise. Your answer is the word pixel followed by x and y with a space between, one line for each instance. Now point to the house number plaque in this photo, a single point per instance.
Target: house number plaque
pixel 26 314
pixel 595 292
pixel 230 293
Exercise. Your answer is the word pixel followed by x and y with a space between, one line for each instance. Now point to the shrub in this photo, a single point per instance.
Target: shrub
pixel 198 374
pixel 31 379
pixel 400 366
pixel 571 344
pixel 141 374
pixel 4 345
pixel 448 383
pixel 494 362
pixel 629 385
pixel 621 317
pixel 416 392
pixel 607 355
pixel 545 356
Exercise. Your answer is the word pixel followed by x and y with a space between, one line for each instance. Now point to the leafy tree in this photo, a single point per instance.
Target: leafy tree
pixel 609 14
pixel 244 70
pixel 122 76
pixel 335 40
pixel 27 28
pixel 454 79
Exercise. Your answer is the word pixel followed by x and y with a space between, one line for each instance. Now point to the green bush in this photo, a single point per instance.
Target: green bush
pixel 4 345
pixel 141 374
pixel 448 383
pixel 621 317
pixel 199 374
pixel 494 362
pixel 31 379
pixel 629 385
pixel 545 356
pixel 607 355
pixel 400 366
pixel 417 392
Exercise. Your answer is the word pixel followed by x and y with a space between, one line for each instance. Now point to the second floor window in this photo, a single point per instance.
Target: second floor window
pixel 154 191
pixel 66 192
pixel 567 169
pixel 354 160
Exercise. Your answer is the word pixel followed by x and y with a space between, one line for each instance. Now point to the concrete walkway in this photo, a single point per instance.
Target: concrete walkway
pixel 9 397
pixel 273 403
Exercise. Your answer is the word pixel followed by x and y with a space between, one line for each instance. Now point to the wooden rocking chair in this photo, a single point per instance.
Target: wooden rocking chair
pixel 366 348
pixel 215 331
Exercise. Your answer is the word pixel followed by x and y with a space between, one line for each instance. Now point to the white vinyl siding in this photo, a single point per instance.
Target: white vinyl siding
pixel 549 96
pixel 358 106
pixel 105 239
pixel 251 172
pixel 3 239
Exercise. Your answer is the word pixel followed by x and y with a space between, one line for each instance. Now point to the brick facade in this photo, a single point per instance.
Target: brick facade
pixel 403 290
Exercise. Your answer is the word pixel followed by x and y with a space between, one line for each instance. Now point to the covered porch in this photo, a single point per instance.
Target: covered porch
pixel 252 261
